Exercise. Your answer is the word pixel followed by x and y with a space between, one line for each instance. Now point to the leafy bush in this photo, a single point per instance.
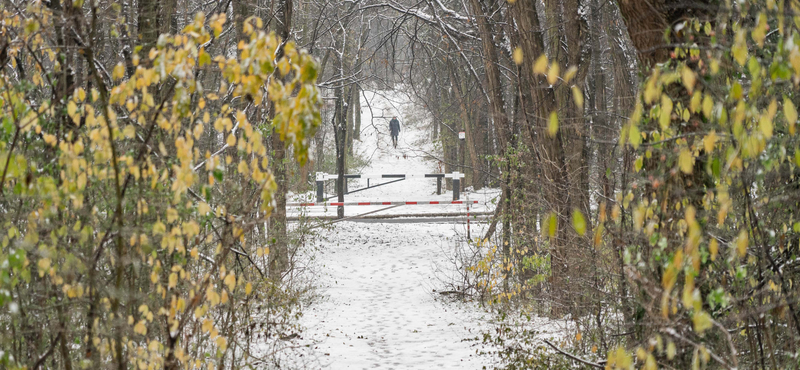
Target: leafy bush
pixel 132 205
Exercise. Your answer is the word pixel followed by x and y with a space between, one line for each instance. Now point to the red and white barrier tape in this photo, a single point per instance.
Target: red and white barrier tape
pixel 336 204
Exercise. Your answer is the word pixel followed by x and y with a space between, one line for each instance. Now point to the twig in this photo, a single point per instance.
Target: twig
pixel 585 362
pixel 47 354
pixel 352 217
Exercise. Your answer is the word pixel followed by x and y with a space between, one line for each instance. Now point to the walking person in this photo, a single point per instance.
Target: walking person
pixel 394 130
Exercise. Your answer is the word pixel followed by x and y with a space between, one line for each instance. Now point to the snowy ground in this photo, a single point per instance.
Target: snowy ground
pixel 415 154
pixel 378 306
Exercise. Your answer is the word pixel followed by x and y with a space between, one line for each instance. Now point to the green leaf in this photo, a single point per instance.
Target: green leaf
pixel 578 222
pixel 218 174
pixel 716 167
pixel 797 156
pixel 551 222
pixel 204 58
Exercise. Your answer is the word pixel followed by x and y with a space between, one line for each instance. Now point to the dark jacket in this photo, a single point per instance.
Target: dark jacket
pixel 394 126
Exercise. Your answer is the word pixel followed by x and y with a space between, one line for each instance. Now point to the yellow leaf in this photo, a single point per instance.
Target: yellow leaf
pixel 709 141
pixel 203 208
pixel 248 288
pixel 671 350
pixel 578 222
pixel 207 326
pixel 713 248
pixel 140 328
pixel 694 104
pixel 790 112
pixel 619 359
pixel 689 78
pixel 212 297
pixel 650 362
pixel 741 243
pixel 172 214
pixel 49 139
pixel 739 49
pixel 570 73
pixel 685 161
pixel 43 265
pixel 72 108
pixel 708 106
pixel 518 57
pixel 702 321
pixel 577 95
pixel 118 72
pixel 635 137
pixel 222 343
pixel 129 131
pixel 230 281
pixel 173 280
pixel 540 66
pixel 666 112
pixel 231 140
pixel 552 125
pixel 765 124
pixel 597 240
pixel 578 337
pixel 198 131
pixel 552 74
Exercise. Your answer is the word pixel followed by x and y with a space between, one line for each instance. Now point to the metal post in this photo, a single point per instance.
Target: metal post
pixel 456 187
pixel 468 236
pixel 460 150
pixel 320 188
pixel 438 186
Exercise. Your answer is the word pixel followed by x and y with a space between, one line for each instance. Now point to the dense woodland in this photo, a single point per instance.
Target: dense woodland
pixel 646 151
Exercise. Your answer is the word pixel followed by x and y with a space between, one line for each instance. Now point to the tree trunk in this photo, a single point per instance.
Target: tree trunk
pixel 279 252
pixel 357 113
pixel 548 148
pixel 467 120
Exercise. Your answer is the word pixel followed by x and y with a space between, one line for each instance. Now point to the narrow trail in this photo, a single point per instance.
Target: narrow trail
pixel 378 306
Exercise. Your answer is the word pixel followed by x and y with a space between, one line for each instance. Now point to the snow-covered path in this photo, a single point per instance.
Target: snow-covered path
pixel 378 307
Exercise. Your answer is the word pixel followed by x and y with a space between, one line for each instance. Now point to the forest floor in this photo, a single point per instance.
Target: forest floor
pixel 378 304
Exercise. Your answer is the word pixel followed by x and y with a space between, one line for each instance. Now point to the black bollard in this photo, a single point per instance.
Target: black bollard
pixel 320 188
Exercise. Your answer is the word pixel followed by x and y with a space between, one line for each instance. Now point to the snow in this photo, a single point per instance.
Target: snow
pixel 379 284
pixel 379 307
pixel 415 154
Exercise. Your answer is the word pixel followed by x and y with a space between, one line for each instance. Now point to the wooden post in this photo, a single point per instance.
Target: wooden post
pixel 438 186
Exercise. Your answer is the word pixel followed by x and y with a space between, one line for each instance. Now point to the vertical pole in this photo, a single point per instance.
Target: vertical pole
pixel 456 187
pixel 468 236
pixel 320 187
pixel 438 186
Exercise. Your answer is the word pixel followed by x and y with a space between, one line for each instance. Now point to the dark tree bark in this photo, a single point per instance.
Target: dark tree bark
pixel 279 253
pixel 647 20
